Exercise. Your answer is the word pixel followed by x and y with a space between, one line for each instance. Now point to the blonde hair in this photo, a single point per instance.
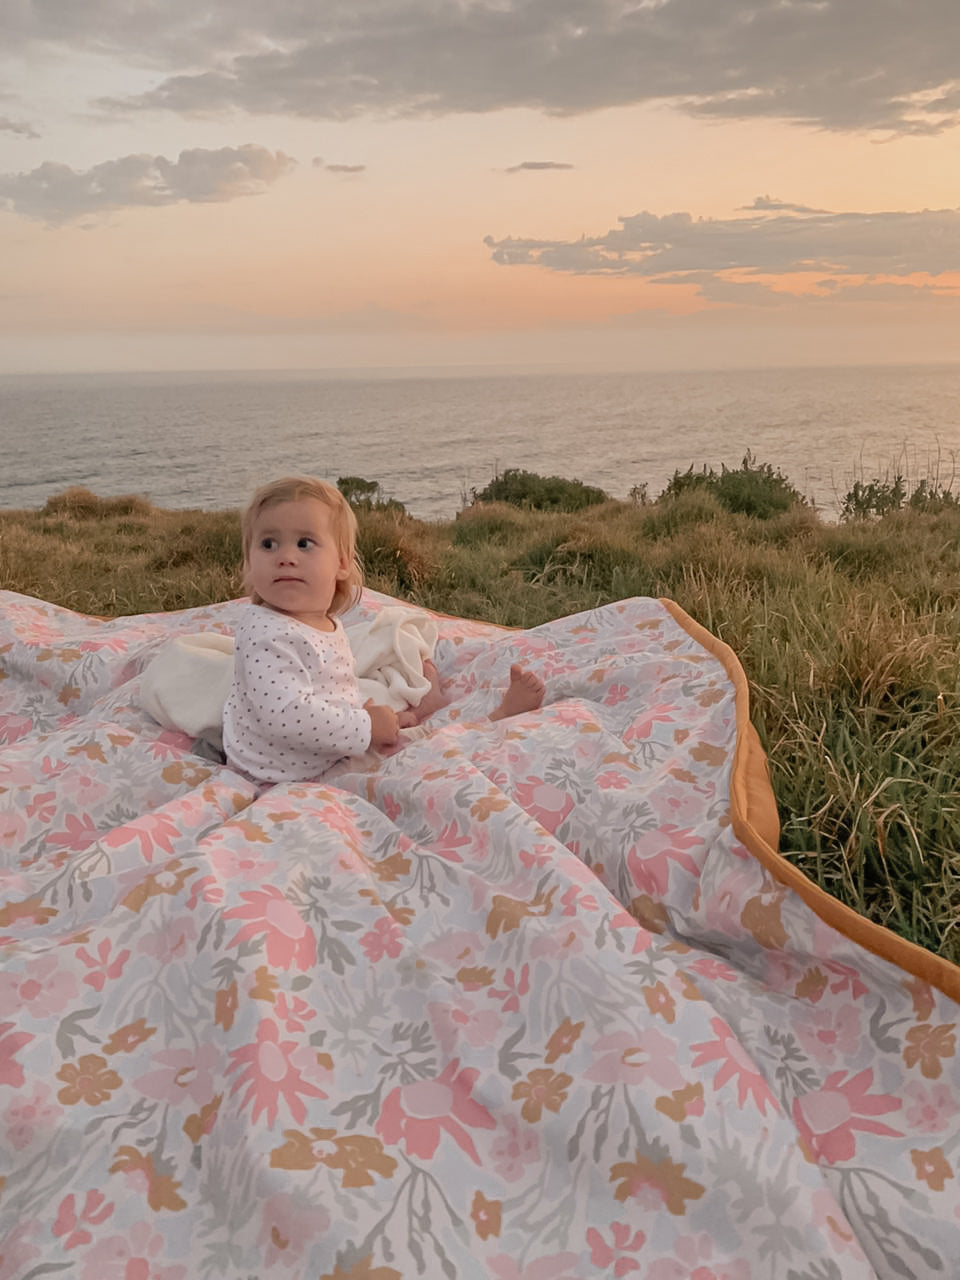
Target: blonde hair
pixel 343 522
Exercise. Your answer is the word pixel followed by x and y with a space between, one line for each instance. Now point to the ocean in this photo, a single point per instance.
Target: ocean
pixel 207 439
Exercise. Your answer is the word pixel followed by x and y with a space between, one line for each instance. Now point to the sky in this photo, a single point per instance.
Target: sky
pixel 570 184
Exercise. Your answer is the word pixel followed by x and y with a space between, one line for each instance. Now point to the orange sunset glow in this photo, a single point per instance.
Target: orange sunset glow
pixel 170 197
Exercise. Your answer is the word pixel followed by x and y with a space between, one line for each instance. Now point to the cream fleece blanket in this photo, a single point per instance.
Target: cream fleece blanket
pixel 186 684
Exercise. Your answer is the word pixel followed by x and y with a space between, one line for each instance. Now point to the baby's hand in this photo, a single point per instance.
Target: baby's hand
pixel 384 725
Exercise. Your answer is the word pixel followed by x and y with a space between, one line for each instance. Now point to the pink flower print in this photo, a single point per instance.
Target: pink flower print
pixel 569 713
pixel 693 1256
pixel 642 727
pixel 169 745
pixel 95 1211
pixel 83 788
pixel 290 940
pixel 736 1065
pixel 43 806
pixel 929 1108
pixel 152 831
pixel 624 1057
pixel 14 829
pixel 557 1266
pixel 390 807
pixel 275 1069
pixel 650 859
pixel 42 989
pixel 53 768
pixel 29 1113
pixel 136 1255
pixel 17 1250
pixel 568 942
pixel 13 728
pixel 612 781
pixel 293 1012
pixel 418 1113
pixel 384 939
pixel 102 967
pixel 181 1075
pixel 830 1033
pixel 615 694
pixel 827 1213
pixel 240 864
pixel 541 855
pixel 170 940
pixel 449 840
pixel 78 833
pixel 710 967
pixel 513 988
pixel 576 900
pixel 460 1020
pixel 206 887
pixel 289 1224
pixel 456 947
pixel 514 1147
pixel 544 802
pixel 845 978
pixel 614 1254
pixel 11 1072
pixel 827 1117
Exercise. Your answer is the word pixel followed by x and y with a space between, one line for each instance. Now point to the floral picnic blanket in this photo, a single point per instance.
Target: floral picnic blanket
pixel 531 999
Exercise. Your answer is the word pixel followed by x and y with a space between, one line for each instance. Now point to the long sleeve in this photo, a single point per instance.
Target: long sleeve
pixel 294 706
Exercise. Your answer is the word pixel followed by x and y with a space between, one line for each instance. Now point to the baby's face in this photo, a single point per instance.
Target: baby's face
pixel 294 563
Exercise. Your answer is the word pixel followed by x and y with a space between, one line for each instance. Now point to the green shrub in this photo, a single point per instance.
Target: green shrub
pixel 752 489
pixel 539 493
pixel 366 495
pixel 875 498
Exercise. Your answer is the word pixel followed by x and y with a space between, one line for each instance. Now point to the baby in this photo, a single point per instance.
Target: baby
pixel 294 707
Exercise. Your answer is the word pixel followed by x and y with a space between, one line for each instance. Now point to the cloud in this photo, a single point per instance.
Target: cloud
pixel 318 163
pixel 17 126
pixel 55 193
pixel 769 204
pixel 840 64
pixel 537 165
pixel 674 248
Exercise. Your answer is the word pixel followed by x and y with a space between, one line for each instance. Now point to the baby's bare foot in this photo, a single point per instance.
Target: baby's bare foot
pixel 525 693
pixel 431 701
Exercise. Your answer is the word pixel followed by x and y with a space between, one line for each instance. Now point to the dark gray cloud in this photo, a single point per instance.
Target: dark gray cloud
pixel 17 126
pixel 887 65
pixel 715 253
pixel 537 165
pixel 55 193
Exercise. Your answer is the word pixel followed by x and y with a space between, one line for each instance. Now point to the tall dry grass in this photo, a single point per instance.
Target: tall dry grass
pixel 848 634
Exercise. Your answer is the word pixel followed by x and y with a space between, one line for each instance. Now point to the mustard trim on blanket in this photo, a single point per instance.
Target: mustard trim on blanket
pixel 753 812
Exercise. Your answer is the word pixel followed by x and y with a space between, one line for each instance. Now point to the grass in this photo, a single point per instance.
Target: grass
pixel 849 635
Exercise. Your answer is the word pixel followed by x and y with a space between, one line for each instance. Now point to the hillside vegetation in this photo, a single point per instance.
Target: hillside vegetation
pixel 849 633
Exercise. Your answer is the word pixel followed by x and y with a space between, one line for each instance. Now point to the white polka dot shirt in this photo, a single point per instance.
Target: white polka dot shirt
pixel 294 708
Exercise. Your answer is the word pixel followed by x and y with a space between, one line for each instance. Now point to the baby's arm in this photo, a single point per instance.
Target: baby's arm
pixel 384 724
pixel 281 696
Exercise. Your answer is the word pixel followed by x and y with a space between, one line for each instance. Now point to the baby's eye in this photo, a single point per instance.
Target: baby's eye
pixel 303 544
pixel 268 544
